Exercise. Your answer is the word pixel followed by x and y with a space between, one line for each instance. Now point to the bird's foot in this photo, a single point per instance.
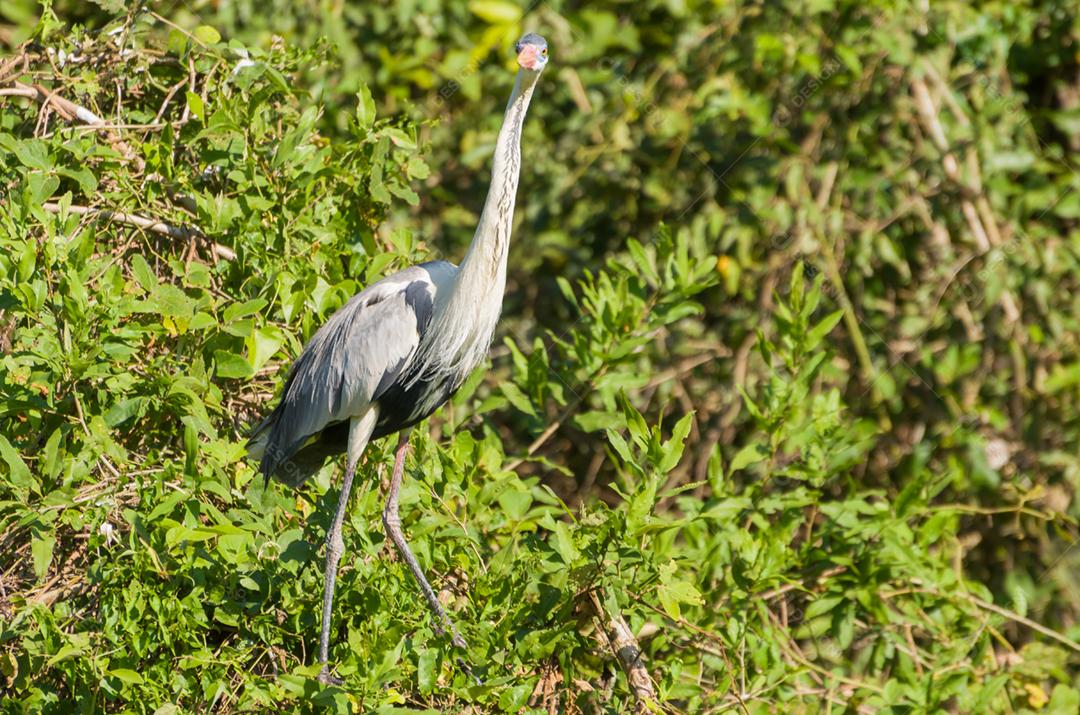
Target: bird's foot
pixel 459 642
pixel 327 679
pixel 467 669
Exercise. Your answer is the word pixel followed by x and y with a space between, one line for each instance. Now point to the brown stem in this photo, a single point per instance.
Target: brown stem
pixel 628 653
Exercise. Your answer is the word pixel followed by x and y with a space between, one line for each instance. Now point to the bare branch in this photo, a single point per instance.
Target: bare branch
pixel 74 113
pixel 146 224
pixel 19 92
pixel 627 651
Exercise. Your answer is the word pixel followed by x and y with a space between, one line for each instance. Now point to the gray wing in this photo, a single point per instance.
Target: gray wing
pixel 349 362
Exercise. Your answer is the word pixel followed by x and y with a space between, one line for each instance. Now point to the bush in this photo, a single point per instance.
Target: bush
pixel 809 444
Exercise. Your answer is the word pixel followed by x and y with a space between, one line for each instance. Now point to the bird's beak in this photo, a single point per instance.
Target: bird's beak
pixel 529 58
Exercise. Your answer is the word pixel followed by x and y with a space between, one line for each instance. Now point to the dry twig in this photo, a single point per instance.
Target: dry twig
pixel 147 224
pixel 628 653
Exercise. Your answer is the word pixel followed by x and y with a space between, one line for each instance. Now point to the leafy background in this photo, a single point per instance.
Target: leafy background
pixel 787 378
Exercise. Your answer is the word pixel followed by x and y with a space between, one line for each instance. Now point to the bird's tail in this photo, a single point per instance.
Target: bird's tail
pixel 259 436
pixel 294 464
pixel 257 444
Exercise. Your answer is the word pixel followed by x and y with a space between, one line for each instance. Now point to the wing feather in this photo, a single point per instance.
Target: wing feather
pixel 350 361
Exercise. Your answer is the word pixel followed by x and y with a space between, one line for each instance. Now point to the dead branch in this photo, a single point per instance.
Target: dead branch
pixel 7 66
pixel 19 92
pixel 74 113
pixel 628 653
pixel 64 107
pixel 147 224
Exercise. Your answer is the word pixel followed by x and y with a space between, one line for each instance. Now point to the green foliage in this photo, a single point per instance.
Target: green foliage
pixel 788 380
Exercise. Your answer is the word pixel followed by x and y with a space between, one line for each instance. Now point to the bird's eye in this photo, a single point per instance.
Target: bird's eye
pixel 544 52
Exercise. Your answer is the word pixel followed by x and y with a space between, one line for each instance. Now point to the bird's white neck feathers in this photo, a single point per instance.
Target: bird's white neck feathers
pixel 460 332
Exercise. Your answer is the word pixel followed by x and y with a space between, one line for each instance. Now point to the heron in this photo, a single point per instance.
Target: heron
pixel 393 354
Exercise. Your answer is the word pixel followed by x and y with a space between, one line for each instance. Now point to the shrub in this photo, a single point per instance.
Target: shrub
pixel 811 444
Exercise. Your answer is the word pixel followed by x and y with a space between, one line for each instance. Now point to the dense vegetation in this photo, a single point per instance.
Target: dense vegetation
pixel 787 385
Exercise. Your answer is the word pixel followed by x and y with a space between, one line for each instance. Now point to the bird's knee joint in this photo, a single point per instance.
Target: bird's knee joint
pixel 390 519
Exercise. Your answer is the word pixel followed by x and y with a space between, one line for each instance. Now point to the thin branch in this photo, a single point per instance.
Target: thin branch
pixel 628 653
pixel 832 270
pixel 74 113
pixel 19 92
pixel 987 606
pixel 8 65
pixel 545 435
pixel 1013 616
pixel 176 27
pixel 781 590
pixel 147 224
pixel 720 649
pixel 64 107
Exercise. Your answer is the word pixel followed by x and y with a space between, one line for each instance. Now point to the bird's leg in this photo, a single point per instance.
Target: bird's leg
pixel 334 547
pixel 392 522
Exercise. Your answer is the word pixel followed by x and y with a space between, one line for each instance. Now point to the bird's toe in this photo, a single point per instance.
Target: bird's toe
pixel 327 679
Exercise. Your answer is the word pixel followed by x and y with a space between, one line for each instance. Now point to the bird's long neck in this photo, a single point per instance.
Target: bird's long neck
pixel 462 326
pixel 485 261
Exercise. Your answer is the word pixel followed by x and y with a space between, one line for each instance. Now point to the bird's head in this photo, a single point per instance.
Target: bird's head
pixel 532 52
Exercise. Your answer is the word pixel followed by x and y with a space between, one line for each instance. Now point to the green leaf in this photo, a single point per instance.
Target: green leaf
pixel 66 652
pixel 263 344
pixel 427 670
pixel 191 445
pixel 143 273
pixel 365 107
pixel 244 309
pixel 639 429
pixel 796 287
pixel 821 606
pixel 376 184
pixel 124 410
pixel 595 420
pixel 231 365
pixel 41 548
pixel 196 105
pixel 1062 377
pixel 748 455
pixel 1064 700
pixel 619 444
pixel 207 35
pixel 87 181
pixel 496 12
pixel 18 472
pixel 32 153
pixel 53 454
pixel 816 334
pixel 673 592
pixel 399 138
pixel 173 302
pixel 673 448
pixel 129 677
pixel 564 543
pixel 417 168
pixel 517 398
